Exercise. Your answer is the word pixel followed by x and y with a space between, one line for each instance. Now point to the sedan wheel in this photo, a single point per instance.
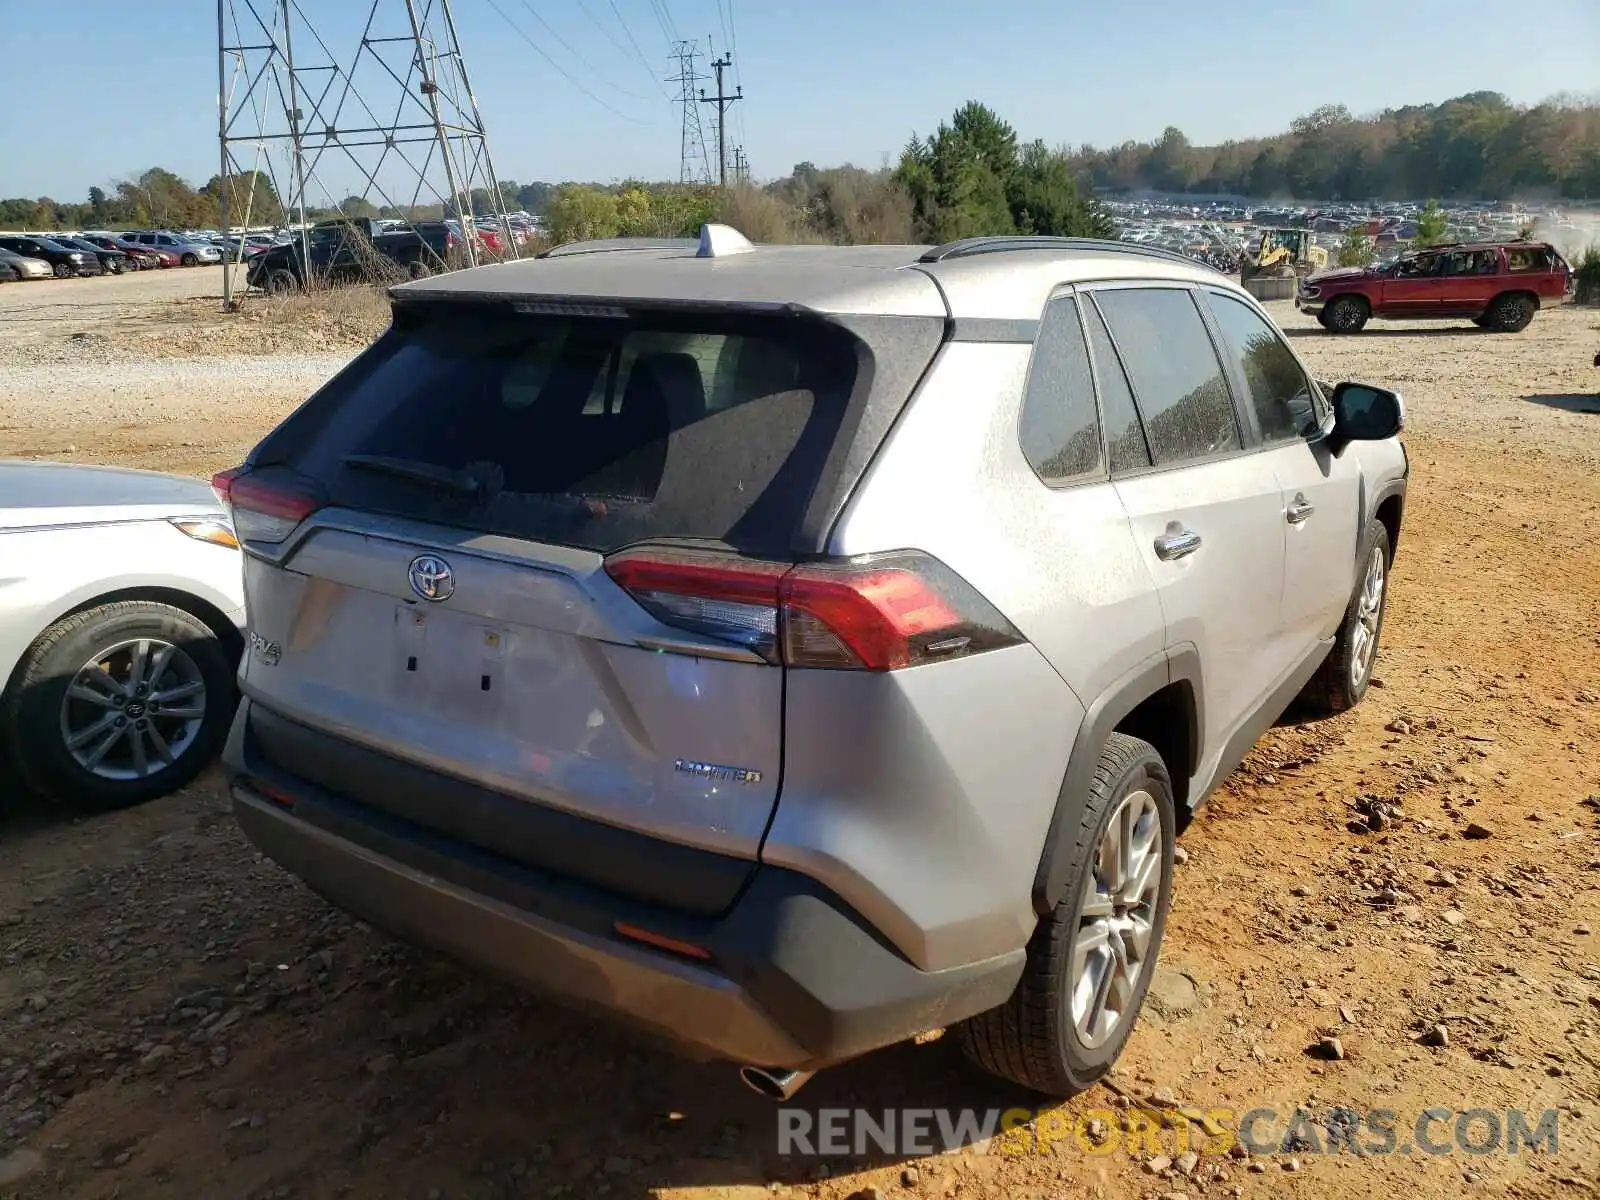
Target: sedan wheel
pixel 119 704
pixel 64 271
pixel 133 709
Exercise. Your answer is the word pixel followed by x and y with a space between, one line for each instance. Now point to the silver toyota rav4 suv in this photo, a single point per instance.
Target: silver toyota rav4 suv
pixel 793 649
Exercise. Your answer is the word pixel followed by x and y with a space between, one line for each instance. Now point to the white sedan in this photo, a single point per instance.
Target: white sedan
pixel 121 611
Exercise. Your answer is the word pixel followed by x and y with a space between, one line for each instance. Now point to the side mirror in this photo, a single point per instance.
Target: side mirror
pixel 1363 413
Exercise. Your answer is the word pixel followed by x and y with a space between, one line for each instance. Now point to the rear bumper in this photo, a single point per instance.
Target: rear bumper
pixel 793 977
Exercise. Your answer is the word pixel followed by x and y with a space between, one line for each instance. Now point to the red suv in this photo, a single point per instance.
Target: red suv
pixel 1499 285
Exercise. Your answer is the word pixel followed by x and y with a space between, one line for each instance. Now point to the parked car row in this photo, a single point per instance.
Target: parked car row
pixel 69 255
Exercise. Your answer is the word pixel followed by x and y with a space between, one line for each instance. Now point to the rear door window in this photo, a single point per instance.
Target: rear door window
pixel 1178 383
pixel 591 433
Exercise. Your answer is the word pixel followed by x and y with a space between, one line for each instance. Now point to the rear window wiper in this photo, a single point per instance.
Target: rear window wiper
pixel 479 482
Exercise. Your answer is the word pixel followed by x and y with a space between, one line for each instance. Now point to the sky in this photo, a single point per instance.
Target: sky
pixel 828 81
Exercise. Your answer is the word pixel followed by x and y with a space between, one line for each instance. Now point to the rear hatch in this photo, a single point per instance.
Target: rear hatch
pixel 437 548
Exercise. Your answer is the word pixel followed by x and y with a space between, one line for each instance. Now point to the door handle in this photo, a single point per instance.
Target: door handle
pixel 1177 542
pixel 1299 509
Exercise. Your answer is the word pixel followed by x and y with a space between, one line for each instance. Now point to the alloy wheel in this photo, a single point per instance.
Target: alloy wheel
pixel 1112 948
pixel 1369 614
pixel 134 709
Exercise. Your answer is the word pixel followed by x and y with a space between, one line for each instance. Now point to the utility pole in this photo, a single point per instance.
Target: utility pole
pixel 722 100
pixel 741 166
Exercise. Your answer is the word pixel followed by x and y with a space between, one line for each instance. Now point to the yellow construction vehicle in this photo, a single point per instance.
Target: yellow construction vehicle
pixel 1286 253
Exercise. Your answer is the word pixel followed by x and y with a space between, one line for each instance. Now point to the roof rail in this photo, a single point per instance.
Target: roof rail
pixel 606 245
pixel 967 247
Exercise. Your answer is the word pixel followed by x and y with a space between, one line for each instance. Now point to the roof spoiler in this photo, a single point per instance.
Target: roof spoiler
pixel 715 241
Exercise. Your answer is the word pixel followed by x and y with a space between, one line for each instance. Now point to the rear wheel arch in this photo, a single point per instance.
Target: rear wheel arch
pixel 197 607
pixel 1161 701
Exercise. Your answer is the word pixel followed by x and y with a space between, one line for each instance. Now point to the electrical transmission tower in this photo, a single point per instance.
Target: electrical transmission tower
pixel 694 165
pixel 722 100
pixel 394 121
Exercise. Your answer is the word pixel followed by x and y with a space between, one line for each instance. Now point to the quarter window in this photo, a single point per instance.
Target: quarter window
pixel 1279 391
pixel 1178 383
pixel 1060 432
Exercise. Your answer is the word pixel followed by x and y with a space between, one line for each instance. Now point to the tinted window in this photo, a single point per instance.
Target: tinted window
pixel 1279 391
pixel 1060 434
pixel 1422 267
pixel 589 433
pixel 1528 260
pixel 1471 262
pixel 1177 380
pixel 1125 444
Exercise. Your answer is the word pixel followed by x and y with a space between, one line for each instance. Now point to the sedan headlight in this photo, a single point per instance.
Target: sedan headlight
pixel 216 530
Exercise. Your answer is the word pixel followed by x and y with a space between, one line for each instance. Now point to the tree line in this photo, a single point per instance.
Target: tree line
pixel 971 176
pixel 1474 147
pixel 974 175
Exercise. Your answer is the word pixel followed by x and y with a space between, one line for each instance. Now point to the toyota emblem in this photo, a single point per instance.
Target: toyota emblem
pixel 432 578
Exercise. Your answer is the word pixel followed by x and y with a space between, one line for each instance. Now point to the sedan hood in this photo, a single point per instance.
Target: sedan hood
pixel 36 494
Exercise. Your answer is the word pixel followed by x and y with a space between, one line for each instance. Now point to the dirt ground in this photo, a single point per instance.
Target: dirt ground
pixel 1419 880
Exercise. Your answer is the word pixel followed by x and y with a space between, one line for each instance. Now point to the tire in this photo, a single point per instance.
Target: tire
pixel 1346 314
pixel 1035 1038
pixel 280 283
pixel 1322 319
pixel 63 271
pixel 1342 680
pixel 190 260
pixel 39 715
pixel 1511 313
pixel 417 269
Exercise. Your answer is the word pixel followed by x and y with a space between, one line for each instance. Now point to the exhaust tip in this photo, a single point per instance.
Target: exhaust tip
pixel 774 1085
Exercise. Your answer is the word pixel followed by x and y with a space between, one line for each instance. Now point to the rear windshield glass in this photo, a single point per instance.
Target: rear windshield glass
pixel 593 433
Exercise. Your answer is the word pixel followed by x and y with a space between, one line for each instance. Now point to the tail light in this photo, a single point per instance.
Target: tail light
pixel 266 507
pixel 877 613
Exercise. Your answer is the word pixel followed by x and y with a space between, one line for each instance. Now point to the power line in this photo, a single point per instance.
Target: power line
pixel 618 46
pixel 738 80
pixel 632 41
pixel 548 28
pixel 565 74
pixel 663 19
